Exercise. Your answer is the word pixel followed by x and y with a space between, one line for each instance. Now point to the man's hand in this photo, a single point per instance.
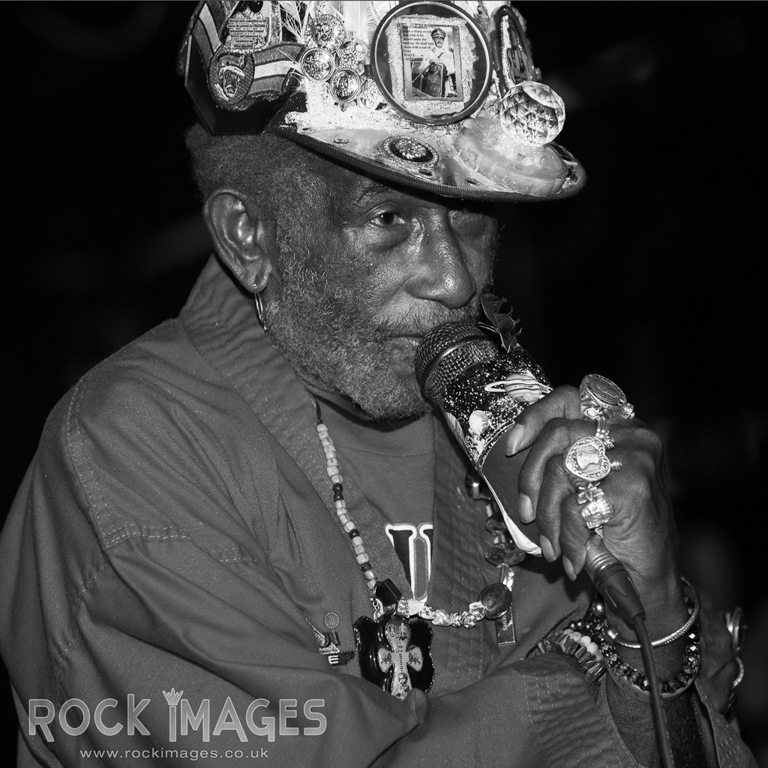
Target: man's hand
pixel 641 534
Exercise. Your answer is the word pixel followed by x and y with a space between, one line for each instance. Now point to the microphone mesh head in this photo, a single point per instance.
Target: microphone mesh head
pixel 446 352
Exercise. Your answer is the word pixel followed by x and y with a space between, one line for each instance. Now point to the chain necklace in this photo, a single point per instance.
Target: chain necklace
pixel 393 647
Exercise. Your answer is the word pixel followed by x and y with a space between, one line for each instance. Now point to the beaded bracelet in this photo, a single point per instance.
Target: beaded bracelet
pixel 578 646
pixel 630 680
pixel 635 683
pixel 678 633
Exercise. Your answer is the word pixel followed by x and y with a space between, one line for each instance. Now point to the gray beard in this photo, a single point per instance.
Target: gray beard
pixel 328 334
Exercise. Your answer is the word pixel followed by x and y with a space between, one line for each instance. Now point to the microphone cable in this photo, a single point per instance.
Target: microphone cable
pixel 654 688
pixel 613 582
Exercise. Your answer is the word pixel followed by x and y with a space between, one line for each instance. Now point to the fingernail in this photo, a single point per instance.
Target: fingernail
pixel 570 571
pixel 514 439
pixel 547 549
pixel 526 509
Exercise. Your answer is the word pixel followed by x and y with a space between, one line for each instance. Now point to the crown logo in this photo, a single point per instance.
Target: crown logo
pixel 172 697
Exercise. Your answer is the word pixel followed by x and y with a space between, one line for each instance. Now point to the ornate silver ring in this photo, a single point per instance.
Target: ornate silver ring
pixel 586 460
pixel 596 510
pixel 600 397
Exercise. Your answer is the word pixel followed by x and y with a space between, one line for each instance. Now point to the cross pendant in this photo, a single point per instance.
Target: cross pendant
pixel 394 653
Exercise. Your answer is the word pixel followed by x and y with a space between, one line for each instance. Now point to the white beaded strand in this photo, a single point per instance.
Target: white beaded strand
pixel 332 467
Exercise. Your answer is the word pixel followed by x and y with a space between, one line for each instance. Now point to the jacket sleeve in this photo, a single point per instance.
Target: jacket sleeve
pixel 166 649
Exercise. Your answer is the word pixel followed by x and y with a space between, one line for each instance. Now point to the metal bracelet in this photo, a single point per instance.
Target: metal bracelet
pixel 678 633
pixel 734 622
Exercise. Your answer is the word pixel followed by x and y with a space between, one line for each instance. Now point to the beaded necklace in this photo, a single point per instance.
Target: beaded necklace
pixel 393 647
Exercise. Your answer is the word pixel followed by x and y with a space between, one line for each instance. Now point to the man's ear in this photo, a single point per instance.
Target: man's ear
pixel 242 237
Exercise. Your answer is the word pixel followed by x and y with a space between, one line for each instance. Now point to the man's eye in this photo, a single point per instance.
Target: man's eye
pixel 387 219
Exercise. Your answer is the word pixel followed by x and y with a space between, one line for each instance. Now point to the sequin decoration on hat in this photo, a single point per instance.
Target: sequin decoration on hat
pixel 441 96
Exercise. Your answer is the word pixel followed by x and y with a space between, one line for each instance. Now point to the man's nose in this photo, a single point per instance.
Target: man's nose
pixel 443 273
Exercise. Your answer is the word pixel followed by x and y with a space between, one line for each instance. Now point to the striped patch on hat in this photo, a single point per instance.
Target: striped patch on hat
pixel 271 68
pixel 211 18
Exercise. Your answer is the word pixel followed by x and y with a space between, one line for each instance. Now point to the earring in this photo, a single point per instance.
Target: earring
pixel 259 308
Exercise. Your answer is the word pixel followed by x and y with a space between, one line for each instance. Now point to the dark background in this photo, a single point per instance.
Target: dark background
pixel 654 276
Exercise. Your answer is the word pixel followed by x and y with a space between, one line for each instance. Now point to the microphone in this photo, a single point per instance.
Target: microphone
pixel 482 391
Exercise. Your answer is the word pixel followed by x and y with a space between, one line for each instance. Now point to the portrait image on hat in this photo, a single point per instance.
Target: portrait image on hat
pixel 434 75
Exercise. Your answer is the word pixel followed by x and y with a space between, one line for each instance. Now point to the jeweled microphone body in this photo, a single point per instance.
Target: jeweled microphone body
pixel 482 390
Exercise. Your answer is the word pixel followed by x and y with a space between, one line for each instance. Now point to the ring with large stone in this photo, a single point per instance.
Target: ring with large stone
pixel 586 460
pixel 601 397
pixel 596 510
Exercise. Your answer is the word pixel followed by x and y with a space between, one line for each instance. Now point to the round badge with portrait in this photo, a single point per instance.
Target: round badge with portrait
pixel 431 62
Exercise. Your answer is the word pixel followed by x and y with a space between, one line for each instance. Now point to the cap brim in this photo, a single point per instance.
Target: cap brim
pixel 447 171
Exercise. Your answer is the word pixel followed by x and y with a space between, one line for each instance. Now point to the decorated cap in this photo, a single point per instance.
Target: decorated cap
pixel 441 96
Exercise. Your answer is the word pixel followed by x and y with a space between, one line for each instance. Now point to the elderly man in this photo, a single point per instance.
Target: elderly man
pixel 247 535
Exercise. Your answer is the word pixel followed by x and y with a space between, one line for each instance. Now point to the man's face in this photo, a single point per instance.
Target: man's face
pixel 363 272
